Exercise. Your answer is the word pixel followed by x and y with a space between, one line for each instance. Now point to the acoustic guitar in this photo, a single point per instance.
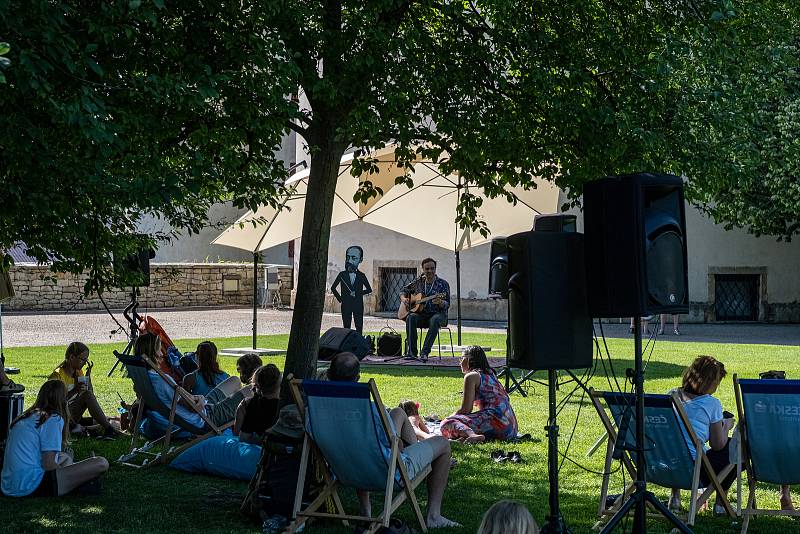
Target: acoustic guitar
pixel 415 303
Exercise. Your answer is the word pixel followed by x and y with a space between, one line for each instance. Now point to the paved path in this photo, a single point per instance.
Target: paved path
pixel 27 329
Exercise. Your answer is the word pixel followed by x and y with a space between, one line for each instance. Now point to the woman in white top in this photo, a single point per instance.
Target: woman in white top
pixel 35 462
pixel 700 380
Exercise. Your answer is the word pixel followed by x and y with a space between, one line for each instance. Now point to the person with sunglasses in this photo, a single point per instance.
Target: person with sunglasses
pixel 80 393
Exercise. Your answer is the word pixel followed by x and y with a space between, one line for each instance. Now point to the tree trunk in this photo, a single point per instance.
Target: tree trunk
pixel 301 355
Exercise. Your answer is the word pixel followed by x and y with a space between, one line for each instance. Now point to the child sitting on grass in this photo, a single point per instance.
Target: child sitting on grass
pixel 257 414
pixel 36 462
pixel 420 428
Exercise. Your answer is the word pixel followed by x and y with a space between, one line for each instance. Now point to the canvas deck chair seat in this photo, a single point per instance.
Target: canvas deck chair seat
pixel 769 414
pixel 137 368
pixel 348 428
pixel 668 460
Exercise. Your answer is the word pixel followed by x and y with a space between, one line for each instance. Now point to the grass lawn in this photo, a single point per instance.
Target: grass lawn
pixel 162 499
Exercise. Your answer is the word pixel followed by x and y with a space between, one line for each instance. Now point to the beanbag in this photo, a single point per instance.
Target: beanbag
pixel 223 456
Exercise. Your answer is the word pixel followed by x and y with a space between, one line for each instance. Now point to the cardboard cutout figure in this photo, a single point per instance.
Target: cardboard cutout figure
pixel 350 287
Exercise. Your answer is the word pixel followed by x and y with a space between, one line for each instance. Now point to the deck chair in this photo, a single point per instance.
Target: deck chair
pixel 349 430
pixel 668 462
pixel 137 367
pixel 769 419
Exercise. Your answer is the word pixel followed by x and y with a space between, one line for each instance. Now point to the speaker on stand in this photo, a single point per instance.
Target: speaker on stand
pixel 635 229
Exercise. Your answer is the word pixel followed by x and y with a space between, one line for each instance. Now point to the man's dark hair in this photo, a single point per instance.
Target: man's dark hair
pixel 428 260
pixel 359 249
pixel 344 367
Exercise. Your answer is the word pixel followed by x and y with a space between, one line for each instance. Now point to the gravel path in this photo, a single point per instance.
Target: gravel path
pixel 29 329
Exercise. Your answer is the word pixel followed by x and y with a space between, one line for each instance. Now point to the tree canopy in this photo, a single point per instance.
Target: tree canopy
pixel 122 108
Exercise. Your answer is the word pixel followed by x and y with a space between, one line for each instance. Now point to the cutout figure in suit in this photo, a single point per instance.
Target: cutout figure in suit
pixel 352 285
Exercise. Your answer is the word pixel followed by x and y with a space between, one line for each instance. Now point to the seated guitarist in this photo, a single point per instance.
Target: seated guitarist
pixel 433 314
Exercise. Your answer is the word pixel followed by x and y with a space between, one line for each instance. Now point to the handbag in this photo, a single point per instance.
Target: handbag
pixel 390 343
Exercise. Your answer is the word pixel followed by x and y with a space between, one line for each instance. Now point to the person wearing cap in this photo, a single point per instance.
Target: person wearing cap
pixel 434 451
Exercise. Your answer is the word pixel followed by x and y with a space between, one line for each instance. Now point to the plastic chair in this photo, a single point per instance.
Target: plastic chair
pixel 348 429
pixel 769 421
pixel 668 460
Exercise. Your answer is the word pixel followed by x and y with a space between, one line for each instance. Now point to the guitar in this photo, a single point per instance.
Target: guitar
pixel 415 303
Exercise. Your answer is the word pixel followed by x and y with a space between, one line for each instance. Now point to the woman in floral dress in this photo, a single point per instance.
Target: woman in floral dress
pixel 485 411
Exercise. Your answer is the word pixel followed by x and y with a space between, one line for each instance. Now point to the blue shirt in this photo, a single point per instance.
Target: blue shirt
pixel 22 464
pixel 201 387
pixel 702 411
pixel 165 392
pixel 439 285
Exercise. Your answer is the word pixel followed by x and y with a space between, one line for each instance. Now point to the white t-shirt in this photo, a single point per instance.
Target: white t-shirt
pixel 702 411
pixel 165 392
pixel 22 463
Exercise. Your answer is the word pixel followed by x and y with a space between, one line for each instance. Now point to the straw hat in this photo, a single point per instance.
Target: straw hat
pixel 289 423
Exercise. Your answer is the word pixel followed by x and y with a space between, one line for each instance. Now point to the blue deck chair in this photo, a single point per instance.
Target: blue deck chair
pixel 769 413
pixel 350 433
pixel 668 461
pixel 137 367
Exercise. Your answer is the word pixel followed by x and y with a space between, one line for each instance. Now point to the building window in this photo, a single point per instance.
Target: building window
pixel 393 280
pixel 230 283
pixel 736 297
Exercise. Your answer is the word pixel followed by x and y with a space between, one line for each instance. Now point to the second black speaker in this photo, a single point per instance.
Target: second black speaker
pixel 635 229
pixel 549 323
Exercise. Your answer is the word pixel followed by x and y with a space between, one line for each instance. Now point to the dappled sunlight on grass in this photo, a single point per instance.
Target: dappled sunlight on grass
pixel 162 499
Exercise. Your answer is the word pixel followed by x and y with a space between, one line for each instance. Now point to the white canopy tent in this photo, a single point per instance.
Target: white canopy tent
pixel 271 226
pixel 427 211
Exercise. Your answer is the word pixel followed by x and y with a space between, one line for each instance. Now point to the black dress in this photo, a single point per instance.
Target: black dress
pixel 260 414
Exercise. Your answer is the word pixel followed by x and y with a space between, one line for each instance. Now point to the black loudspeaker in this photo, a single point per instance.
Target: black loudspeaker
pixel 635 228
pixel 134 269
pixel 498 269
pixel 555 222
pixel 337 340
pixel 549 323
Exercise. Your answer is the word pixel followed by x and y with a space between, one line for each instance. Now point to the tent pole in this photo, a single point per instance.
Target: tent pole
pixel 255 298
pixel 458 295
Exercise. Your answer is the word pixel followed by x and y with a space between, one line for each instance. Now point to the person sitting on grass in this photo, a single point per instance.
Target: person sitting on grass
pixel 700 380
pixel 257 414
pixel 435 451
pixel 411 408
pixel 246 365
pixel 494 418
pixel 35 461
pixel 208 374
pixel 219 405
pixel 80 393
pixel 508 517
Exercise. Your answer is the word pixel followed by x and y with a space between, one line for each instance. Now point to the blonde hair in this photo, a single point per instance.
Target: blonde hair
pixel 508 517
pixel 703 375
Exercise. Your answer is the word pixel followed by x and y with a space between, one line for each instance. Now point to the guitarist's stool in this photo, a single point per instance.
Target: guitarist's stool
pixel 421 340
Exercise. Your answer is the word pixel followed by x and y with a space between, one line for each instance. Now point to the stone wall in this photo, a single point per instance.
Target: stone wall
pixel 171 285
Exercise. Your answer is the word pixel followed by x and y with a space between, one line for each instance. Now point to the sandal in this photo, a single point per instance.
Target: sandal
pixel 499 456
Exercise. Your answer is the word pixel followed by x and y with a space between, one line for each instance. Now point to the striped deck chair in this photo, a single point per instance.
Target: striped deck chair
pixel 668 461
pixel 137 367
pixel 769 414
pixel 349 431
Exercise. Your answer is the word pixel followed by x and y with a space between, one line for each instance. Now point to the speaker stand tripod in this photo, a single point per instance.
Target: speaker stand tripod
pixel 555 521
pixel 641 497
pixel 133 323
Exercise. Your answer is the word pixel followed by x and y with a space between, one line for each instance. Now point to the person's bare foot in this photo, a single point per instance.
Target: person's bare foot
pixel 440 522
pixel 475 438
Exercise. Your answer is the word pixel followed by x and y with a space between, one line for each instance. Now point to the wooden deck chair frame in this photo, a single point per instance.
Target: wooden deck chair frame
pixel 745 464
pixel 153 458
pixel 330 490
pixel 700 462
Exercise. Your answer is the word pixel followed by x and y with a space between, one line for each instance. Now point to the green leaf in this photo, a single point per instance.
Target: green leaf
pixel 5 48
